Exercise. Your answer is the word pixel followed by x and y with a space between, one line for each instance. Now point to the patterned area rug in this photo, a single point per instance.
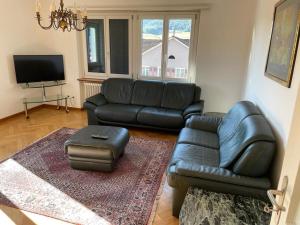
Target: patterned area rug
pixel 39 180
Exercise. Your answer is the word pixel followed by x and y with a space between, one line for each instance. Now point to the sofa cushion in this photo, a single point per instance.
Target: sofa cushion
pixel 178 95
pixel 198 137
pixel 117 90
pixel 195 154
pixel 147 93
pixel 234 117
pixel 205 123
pixel 256 159
pixel 252 129
pixel 118 113
pixel 221 178
pixel 160 117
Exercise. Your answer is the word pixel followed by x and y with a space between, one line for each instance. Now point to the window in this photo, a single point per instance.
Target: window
pixel 152 36
pixel 179 48
pixel 119 47
pixel 165 47
pixel 92 45
pixel 141 45
pixel 95 46
pixel 107 46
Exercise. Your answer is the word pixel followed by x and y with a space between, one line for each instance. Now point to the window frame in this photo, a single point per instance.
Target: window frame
pixel 108 73
pixel 135 59
pixel 85 52
pixel 192 49
pixel 167 16
pixel 129 17
pixel 139 46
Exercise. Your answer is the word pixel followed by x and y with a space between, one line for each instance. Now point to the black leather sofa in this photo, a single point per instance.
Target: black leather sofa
pixel 151 104
pixel 230 154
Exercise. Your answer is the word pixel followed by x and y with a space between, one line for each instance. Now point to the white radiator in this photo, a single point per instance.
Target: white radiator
pixel 91 89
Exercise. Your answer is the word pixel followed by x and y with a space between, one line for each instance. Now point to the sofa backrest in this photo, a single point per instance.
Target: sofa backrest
pixel 178 95
pixel 169 95
pixel 241 148
pixel 234 117
pixel 118 90
pixel 147 93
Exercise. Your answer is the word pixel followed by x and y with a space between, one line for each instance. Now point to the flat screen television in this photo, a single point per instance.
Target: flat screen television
pixel 39 68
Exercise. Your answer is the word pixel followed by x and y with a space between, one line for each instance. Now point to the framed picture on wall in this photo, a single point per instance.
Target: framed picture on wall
pixel 284 42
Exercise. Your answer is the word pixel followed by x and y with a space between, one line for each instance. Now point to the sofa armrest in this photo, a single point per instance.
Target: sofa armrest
pixel 89 106
pixel 194 109
pixel 206 123
pixel 97 100
pixel 190 169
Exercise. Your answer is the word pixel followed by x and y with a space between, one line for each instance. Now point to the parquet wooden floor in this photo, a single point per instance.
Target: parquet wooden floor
pixel 17 132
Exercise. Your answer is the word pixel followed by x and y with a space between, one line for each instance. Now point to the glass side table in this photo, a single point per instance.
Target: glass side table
pixel 54 98
pixel 44 98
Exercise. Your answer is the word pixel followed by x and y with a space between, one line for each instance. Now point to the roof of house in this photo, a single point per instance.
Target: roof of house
pixel 150 43
pixel 187 42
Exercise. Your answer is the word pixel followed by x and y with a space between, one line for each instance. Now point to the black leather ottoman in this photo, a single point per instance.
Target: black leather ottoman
pixel 87 153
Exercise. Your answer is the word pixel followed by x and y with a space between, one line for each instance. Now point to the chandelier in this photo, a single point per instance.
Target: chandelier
pixel 63 18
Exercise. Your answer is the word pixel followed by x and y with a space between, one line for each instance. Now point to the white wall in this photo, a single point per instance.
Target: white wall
pixel 223 48
pixel 66 44
pixel 277 102
pixel 19 35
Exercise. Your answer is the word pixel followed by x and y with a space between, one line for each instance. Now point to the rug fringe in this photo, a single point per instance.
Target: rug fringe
pixel 157 198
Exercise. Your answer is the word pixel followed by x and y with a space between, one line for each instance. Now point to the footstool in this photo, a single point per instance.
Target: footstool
pixel 87 153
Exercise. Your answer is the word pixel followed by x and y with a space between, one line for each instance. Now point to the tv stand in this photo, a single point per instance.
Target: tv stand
pixel 44 98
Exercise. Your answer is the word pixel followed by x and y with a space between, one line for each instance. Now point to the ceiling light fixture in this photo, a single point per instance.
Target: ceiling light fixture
pixel 63 18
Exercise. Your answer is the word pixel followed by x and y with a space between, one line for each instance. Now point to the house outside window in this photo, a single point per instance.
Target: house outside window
pixel 180 72
pixel 146 70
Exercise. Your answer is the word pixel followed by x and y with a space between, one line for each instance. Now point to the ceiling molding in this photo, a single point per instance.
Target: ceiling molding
pixel 151 8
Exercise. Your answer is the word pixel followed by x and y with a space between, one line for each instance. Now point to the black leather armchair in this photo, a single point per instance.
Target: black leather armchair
pixel 230 154
pixel 151 104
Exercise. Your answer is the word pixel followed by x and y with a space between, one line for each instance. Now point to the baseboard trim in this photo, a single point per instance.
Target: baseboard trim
pixel 35 108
